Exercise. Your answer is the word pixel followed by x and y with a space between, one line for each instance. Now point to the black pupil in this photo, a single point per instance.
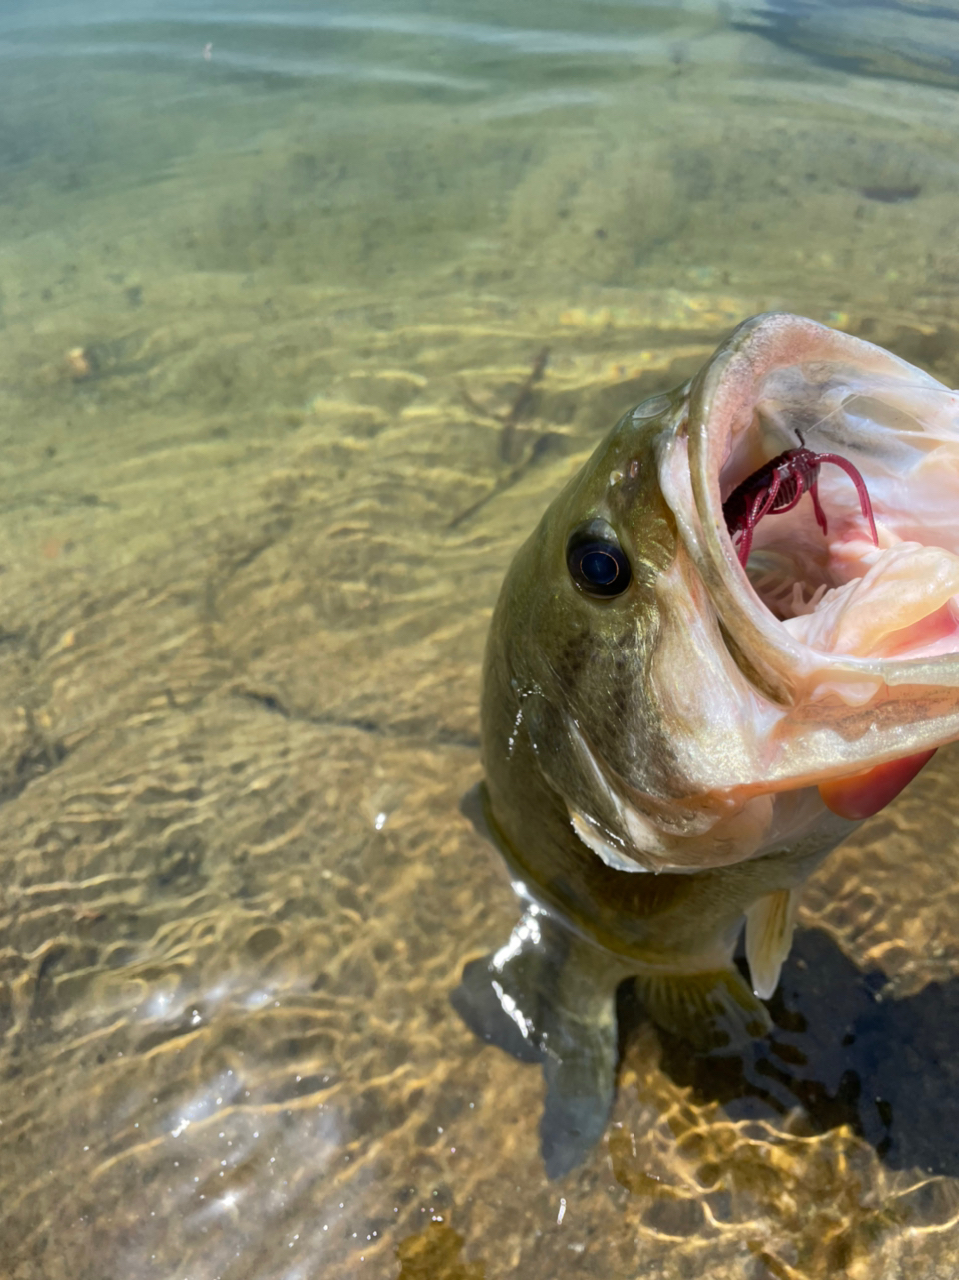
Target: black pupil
pixel 597 564
pixel 599 567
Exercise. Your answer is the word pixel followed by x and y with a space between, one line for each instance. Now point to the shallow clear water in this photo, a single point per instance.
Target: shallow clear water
pixel 270 279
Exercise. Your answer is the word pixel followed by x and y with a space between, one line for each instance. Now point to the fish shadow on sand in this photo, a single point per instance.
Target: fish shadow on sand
pixel 845 1054
pixel 838 1049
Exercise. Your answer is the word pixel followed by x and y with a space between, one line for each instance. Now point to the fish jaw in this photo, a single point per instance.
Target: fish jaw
pixel 870 673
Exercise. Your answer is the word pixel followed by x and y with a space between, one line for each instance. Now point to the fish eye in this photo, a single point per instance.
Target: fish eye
pixel 597 563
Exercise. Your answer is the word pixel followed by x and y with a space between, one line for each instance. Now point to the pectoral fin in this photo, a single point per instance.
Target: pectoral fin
pixel 709 1010
pixel 769 934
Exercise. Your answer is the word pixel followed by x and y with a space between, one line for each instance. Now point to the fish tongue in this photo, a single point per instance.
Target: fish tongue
pixel 894 606
pixel 864 794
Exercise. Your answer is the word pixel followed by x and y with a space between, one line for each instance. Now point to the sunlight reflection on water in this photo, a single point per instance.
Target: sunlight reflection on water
pixel 263 317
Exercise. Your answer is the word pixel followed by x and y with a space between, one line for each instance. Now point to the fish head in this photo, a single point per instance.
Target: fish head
pixel 678 710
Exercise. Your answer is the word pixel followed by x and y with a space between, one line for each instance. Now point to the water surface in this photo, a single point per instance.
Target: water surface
pixel 270 280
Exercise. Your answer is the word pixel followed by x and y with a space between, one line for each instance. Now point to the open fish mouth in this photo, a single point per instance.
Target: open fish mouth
pixel 855 636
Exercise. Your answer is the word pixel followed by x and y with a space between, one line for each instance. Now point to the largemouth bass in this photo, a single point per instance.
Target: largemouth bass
pixel 672 739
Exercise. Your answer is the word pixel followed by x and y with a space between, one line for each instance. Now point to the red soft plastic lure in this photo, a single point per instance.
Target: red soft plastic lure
pixel 777 486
